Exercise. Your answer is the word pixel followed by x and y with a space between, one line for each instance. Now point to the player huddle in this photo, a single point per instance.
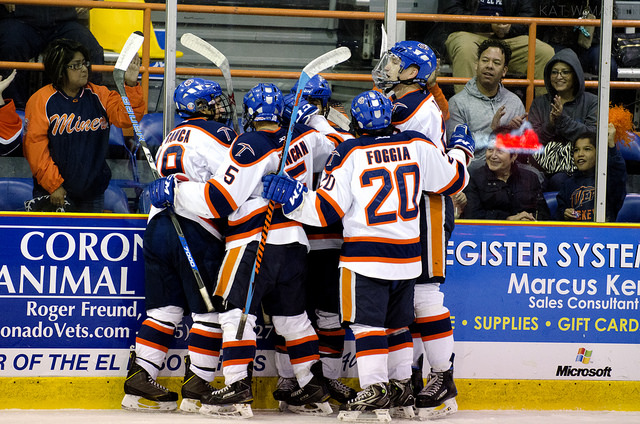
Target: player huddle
pixel 318 228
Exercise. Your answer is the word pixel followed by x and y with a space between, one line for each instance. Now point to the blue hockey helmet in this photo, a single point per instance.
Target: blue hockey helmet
pixel 371 110
pixel 305 109
pixel 263 102
pixel 316 88
pixel 402 55
pixel 196 96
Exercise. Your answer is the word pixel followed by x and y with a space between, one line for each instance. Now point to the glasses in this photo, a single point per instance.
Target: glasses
pixel 564 73
pixel 78 65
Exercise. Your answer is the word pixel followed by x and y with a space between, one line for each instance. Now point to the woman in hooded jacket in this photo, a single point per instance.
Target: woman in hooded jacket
pixel 561 115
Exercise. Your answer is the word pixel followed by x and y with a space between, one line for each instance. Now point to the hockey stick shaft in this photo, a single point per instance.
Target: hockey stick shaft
pixel 320 63
pixel 200 46
pixel 132 45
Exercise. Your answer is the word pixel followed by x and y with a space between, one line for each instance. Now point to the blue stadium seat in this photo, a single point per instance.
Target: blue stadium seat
pixel 144 203
pixel 630 211
pixel 14 192
pixel 116 137
pixel 552 202
pixel 115 199
pixel 151 126
pixel 631 151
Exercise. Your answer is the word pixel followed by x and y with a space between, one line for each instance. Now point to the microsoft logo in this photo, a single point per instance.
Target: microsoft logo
pixel 584 356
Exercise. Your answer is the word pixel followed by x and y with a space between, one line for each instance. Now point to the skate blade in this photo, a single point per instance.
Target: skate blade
pixel 236 410
pixel 405 412
pixel 449 407
pixel 138 403
pixel 190 405
pixel 375 416
pixel 321 408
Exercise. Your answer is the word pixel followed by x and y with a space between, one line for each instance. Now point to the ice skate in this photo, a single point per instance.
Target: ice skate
pixel 438 398
pixel 143 393
pixel 339 391
pixel 402 400
pixel 312 399
pixel 232 401
pixel 193 388
pixel 370 405
pixel 283 391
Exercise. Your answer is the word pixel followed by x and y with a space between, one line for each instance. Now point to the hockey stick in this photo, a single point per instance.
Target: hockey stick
pixel 129 50
pixel 214 55
pixel 339 119
pixel 318 64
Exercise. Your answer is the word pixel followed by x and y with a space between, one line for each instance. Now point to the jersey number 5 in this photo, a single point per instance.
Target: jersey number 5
pixel 408 207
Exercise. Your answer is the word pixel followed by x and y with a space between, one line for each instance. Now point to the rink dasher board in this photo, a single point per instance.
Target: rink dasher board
pixel 512 323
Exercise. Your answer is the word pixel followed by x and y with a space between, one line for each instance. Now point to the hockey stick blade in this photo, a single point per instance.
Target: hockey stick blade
pixel 327 60
pixel 200 46
pixel 129 50
pixel 339 119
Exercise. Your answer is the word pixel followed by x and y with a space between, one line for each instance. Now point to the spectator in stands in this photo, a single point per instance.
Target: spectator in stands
pixel 463 37
pixel 583 39
pixel 10 122
pixel 504 189
pixel 485 104
pixel 576 198
pixel 562 114
pixel 25 30
pixel 67 135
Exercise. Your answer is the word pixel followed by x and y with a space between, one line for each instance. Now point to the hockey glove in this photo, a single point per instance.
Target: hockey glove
pixel 462 139
pixel 161 191
pixel 283 189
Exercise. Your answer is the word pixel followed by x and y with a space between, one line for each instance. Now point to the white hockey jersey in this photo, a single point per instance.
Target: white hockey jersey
pixel 196 148
pixel 374 184
pixel 418 111
pixel 236 189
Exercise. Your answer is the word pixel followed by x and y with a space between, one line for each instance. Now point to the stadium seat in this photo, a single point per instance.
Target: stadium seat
pixel 112 27
pixel 552 202
pixel 631 150
pixel 14 192
pixel 144 203
pixel 630 211
pixel 115 200
pixel 151 126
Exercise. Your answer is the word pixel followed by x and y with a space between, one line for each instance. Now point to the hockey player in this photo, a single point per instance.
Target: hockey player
pixel 372 185
pixel 403 73
pixel 235 192
pixel 195 149
pixel 10 122
pixel 321 282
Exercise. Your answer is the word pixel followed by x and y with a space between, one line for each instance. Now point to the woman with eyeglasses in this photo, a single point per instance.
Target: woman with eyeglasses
pixel 67 137
pixel 561 115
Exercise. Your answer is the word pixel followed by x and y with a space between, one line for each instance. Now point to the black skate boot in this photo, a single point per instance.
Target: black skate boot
pixel 143 393
pixel 283 390
pixel 339 391
pixel 374 399
pixel 193 388
pixel 312 398
pixel 438 398
pixel 402 399
pixel 231 401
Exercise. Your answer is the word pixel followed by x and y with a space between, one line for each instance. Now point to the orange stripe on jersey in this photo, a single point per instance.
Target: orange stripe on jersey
pixel 302 340
pixel 227 270
pixel 156 326
pixel 372 352
pixel 381 240
pixel 222 191
pixel 304 359
pixel 416 109
pixel 249 216
pixel 328 199
pixel 247 234
pixel 379 259
pixel 438 336
pixel 433 318
pixel 437 249
pixel 239 343
pixel 204 351
pixel 151 345
pixel 408 345
pixel 347 295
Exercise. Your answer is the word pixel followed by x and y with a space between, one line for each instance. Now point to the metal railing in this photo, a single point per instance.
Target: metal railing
pixel 146 70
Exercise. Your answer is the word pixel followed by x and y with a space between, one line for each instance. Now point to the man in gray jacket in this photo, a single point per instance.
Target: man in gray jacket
pixel 484 104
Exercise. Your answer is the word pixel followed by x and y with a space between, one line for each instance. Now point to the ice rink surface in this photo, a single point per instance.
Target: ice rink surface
pixel 71 416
